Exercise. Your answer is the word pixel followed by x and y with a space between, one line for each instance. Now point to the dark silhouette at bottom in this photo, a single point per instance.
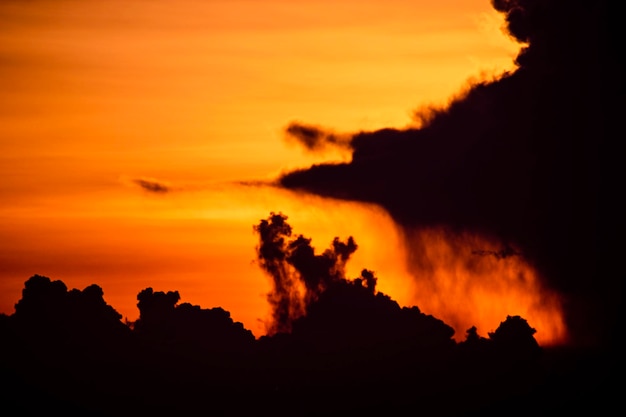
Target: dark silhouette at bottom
pixel 342 348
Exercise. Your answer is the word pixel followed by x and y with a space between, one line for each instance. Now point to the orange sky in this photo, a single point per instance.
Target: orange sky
pixel 196 94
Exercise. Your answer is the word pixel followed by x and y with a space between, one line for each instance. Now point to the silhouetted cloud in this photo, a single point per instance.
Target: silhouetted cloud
pixel 298 275
pixel 314 138
pixel 517 158
pixel 185 326
pixel 152 186
pixel 47 307
pixel 256 183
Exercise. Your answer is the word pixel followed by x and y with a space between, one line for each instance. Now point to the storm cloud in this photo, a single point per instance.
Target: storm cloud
pixel 518 159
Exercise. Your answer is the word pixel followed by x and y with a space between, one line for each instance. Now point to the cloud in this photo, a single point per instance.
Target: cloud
pixel 159 186
pixel 299 275
pixel 152 186
pixel 316 139
pixel 188 327
pixel 515 159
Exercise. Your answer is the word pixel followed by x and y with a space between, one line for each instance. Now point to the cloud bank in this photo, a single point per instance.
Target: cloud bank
pixel 518 159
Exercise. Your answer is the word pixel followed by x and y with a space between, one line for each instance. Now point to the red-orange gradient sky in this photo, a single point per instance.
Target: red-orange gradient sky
pixel 195 94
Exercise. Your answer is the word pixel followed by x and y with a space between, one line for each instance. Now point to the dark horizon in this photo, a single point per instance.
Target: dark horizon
pixel 337 346
pixel 353 352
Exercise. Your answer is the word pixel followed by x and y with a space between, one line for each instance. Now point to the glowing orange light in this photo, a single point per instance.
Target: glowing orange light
pixel 467 280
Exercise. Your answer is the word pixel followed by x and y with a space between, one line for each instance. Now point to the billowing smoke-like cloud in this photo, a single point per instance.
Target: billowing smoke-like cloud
pixel 468 280
pixel 299 275
pixel 516 159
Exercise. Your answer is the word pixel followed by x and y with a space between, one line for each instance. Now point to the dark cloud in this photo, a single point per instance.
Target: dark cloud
pixel 47 307
pixel 187 327
pixel 256 183
pixel 299 275
pixel 152 185
pixel 314 138
pixel 519 158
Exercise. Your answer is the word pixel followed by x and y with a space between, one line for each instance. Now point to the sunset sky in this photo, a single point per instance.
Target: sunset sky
pixel 96 96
